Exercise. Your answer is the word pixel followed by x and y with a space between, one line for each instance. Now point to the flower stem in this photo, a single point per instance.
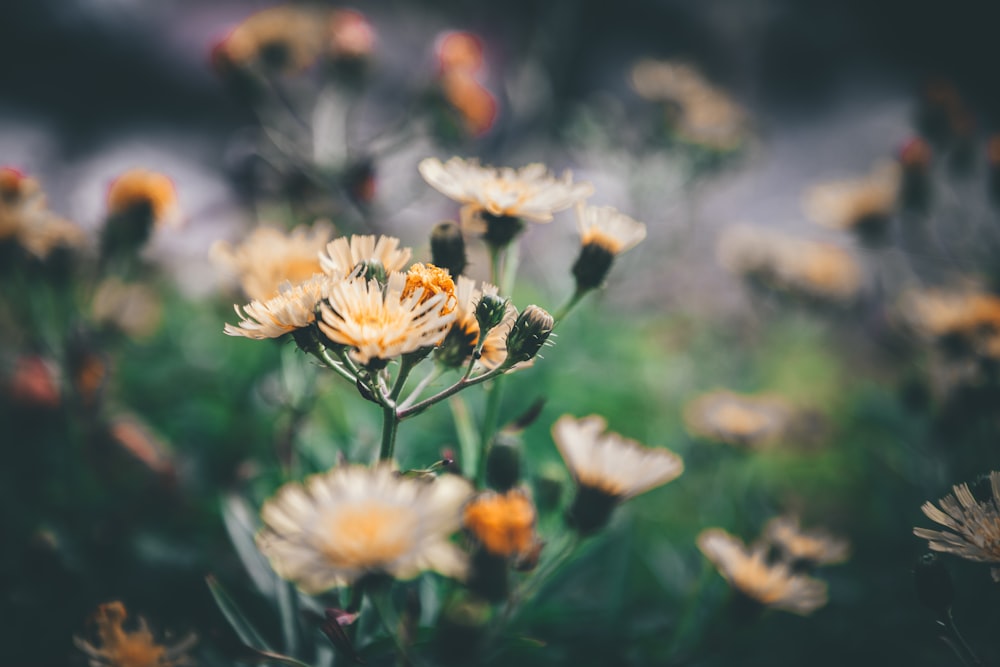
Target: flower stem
pixel 565 309
pixel 490 419
pixel 949 623
pixel 417 408
pixel 390 424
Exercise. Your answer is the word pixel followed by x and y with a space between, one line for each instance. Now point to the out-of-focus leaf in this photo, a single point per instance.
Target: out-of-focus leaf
pixel 247 633
pixel 238 518
pixel 288 605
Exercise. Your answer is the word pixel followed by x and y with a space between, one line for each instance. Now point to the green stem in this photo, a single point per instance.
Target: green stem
pixel 511 258
pixel 450 391
pixel 376 598
pixel 565 309
pixel 468 439
pixel 390 424
pixel 490 419
pixel 495 265
pixel 957 636
pixel 435 373
pixel 323 355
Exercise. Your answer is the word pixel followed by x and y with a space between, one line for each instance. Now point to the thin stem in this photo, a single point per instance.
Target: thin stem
pixel 390 424
pixel 511 257
pixel 323 355
pixel 405 366
pixel 435 373
pixel 565 309
pixel 450 391
pixel 468 439
pixel 401 648
pixel 495 265
pixel 490 419
pixel 953 628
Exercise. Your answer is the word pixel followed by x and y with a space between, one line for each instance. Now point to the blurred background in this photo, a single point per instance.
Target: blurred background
pixel 797 106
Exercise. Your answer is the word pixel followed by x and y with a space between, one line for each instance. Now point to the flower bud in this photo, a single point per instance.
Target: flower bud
pixel 933 584
pixel 448 247
pixel 501 229
pixel 503 464
pixel 591 266
pixel 528 334
pixel 371 269
pixel 490 312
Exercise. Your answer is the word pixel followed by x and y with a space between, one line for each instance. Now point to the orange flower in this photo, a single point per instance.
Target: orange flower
pixel 142 190
pixel 503 523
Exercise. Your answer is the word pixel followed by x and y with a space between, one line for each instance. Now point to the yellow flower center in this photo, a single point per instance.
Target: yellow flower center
pixel 368 534
pixel 434 281
pixel 504 524
pixel 739 419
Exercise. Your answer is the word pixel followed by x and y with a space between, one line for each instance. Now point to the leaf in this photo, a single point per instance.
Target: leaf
pixel 238 518
pixel 247 633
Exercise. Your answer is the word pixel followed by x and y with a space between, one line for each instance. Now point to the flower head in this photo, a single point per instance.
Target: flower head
pixel 503 523
pixel 799 546
pixel 344 254
pixel 25 216
pixel 431 280
pixel 738 419
pixel 380 324
pixel 270 257
pixel 134 309
pixel 463 335
pixel 962 321
pixel 353 521
pixel 294 307
pixel 459 50
pixel 120 648
pixel 748 572
pixel 608 468
pixel 351 35
pixel 604 234
pixel 144 193
pixel 863 205
pixel 530 193
pixel 284 38
pixel 972 521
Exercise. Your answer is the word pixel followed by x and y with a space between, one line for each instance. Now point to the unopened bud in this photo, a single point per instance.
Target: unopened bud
pixel 501 229
pixel 933 584
pixel 528 334
pixel 490 312
pixel 371 269
pixel 448 247
pixel 592 266
pixel 503 464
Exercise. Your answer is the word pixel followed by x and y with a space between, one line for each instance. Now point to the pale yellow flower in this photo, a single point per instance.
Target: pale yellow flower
pixel 738 419
pixel 796 545
pixel 352 521
pixel 380 324
pixel 147 192
pixel 606 227
pixel 609 463
pixel 120 648
pixel 25 216
pixel 968 318
pixel 134 309
pixel 531 193
pixel 293 308
pixel 862 204
pixel 270 257
pixel 345 253
pixel 285 38
pixel 748 571
pixel 972 524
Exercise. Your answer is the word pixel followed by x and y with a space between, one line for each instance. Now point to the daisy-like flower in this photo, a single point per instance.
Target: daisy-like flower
pixel 863 205
pixel 430 280
pixel 608 468
pixel 502 523
pixel 749 573
pixel 503 196
pixel 380 324
pixel 353 521
pixel 351 35
pixel 344 254
pixel 971 518
pixel 965 321
pixel 474 103
pixel 118 647
pixel 812 547
pixel 293 308
pixel 738 419
pixel 25 216
pixel 145 194
pixel 793 265
pixel 463 335
pixel 270 257
pixel 604 234
pixel 284 38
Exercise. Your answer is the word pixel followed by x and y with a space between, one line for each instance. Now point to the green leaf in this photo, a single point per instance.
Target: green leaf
pixel 247 633
pixel 238 517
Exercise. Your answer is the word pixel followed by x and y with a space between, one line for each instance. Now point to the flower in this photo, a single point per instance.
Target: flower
pixel 144 193
pixel 965 320
pixel 352 521
pixel 351 35
pixel 293 308
pixel 474 103
pixel 270 257
pixel 530 193
pixel 863 205
pixel 120 648
pixel 738 419
pixel 25 216
pixel 134 309
pixel 604 234
pixel 972 520
pixel 797 266
pixel 431 280
pixel 797 546
pixel 503 523
pixel 344 254
pixel 608 468
pixel 379 325
pixel 748 572
pixel 284 38
pixel 459 50
pixel 463 335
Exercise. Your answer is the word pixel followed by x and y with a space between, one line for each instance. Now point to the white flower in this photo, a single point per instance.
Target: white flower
pixel 344 254
pixel 354 520
pixel 973 526
pixel 606 227
pixel 530 193
pixel 293 308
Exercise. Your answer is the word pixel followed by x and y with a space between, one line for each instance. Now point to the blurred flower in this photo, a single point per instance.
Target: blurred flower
pixel 293 308
pixel 706 115
pixel 432 281
pixel 965 321
pixel 378 324
pixel 352 521
pixel 270 257
pixel 285 38
pixel 344 254
pixel 119 648
pixel 608 468
pixel 351 35
pixel 136 438
pixel 144 194
pixel 134 309
pixel 503 523
pixel 798 546
pixel 738 419
pixel 25 216
pixel 463 335
pixel 808 268
pixel 972 519
pixel 862 205
pixel 448 247
pixel 474 103
pixel 459 51
pixel 34 382
pixel 530 193
pixel 604 234
pixel 749 573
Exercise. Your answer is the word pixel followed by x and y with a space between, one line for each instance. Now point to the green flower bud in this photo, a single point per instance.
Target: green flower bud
pixel 528 334
pixel 490 312
pixel 372 269
pixel 503 464
pixel 448 247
